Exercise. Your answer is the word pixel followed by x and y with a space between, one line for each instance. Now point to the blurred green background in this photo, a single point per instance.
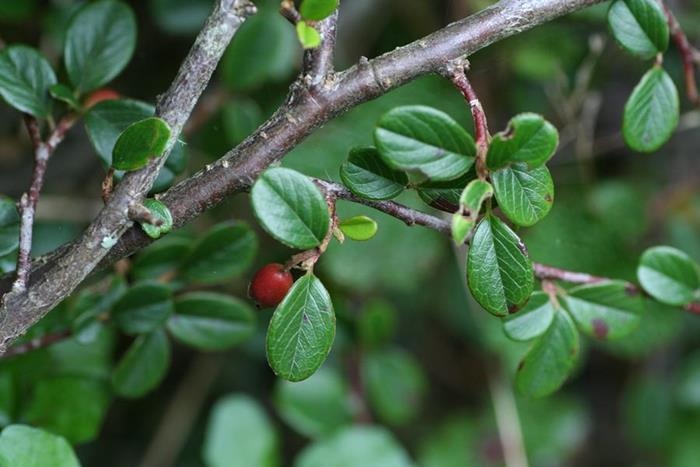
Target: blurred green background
pixel 413 353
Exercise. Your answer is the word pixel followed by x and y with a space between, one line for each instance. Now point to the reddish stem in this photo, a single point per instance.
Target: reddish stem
pixel 544 272
pixel 36 344
pixel 688 56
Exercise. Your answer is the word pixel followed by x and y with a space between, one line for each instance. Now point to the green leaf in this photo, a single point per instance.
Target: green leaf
pixel 224 252
pixel 9 226
pixel 309 37
pixel 107 120
pixel 464 220
pixel 181 17
pixel 301 330
pixel 607 310
pixel 24 446
pixel 445 195
pixel 140 142
pixel 529 138
pixel 144 308
pixel 25 79
pixel 143 366
pixel 550 359
pixel 240 434
pixel 69 406
pixel 669 275
pixel 358 228
pixel 499 272
pixel 160 258
pixel 290 208
pixel 159 211
pixel 317 10
pixel 532 321
pixel 424 140
pixel 64 94
pixel 356 446
pixel 524 195
pixel 395 384
pixel 264 61
pixel 367 176
pixel 639 26
pixel 376 323
pixel 652 111
pixel 315 407
pixel 100 41
pixel 211 321
pixel 8 397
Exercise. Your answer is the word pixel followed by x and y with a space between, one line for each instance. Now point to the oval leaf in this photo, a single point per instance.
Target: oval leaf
pixel 301 330
pixel 445 195
pixel 652 111
pixel 64 94
pixel 499 272
pixel 224 252
pixel 100 41
pixel 159 211
pixel 140 142
pixel 358 228
pixel 290 208
pixel 211 321
pixel 9 226
pixel 550 360
pixel 25 446
pixel 367 176
pixel 25 79
pixel 669 275
pixel 532 321
pixel 425 140
pixel 529 138
pixel 607 310
pixel 524 195
pixel 160 258
pixel 464 220
pixel 309 37
pixel 143 366
pixel 639 26
pixel 144 308
pixel 317 10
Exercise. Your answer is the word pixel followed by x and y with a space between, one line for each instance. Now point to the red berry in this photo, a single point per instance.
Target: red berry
pixel 270 285
pixel 103 94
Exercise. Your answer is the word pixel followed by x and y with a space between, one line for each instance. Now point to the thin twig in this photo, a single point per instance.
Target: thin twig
pixel 688 56
pixel 290 12
pixel 36 344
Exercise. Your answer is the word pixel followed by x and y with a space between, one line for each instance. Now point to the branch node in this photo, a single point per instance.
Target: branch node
pixel 141 214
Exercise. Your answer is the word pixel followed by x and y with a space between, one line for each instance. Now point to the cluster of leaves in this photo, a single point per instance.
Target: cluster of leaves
pixel 652 111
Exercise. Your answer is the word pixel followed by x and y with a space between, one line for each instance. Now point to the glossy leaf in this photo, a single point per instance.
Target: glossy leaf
pixel 308 36
pixel 25 79
pixel 356 446
pixel 70 406
pixel 301 330
pixel 211 321
pixel 9 226
pixel 143 366
pixel 367 176
pixel 159 211
pixel 64 94
pixel 240 434
pixel 551 358
pixel 499 272
pixel 395 385
pixel 317 10
pixel 470 202
pixel 100 41
pixel 445 195
pixel 424 140
pixel 144 308
pixel 524 195
pixel 529 138
pixel 358 228
pixel 606 310
pixel 652 111
pixel 315 407
pixel 290 208
pixel 639 26
pixel 669 275
pixel 224 252
pixel 139 143
pixel 160 258
pixel 532 321
pixel 24 446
